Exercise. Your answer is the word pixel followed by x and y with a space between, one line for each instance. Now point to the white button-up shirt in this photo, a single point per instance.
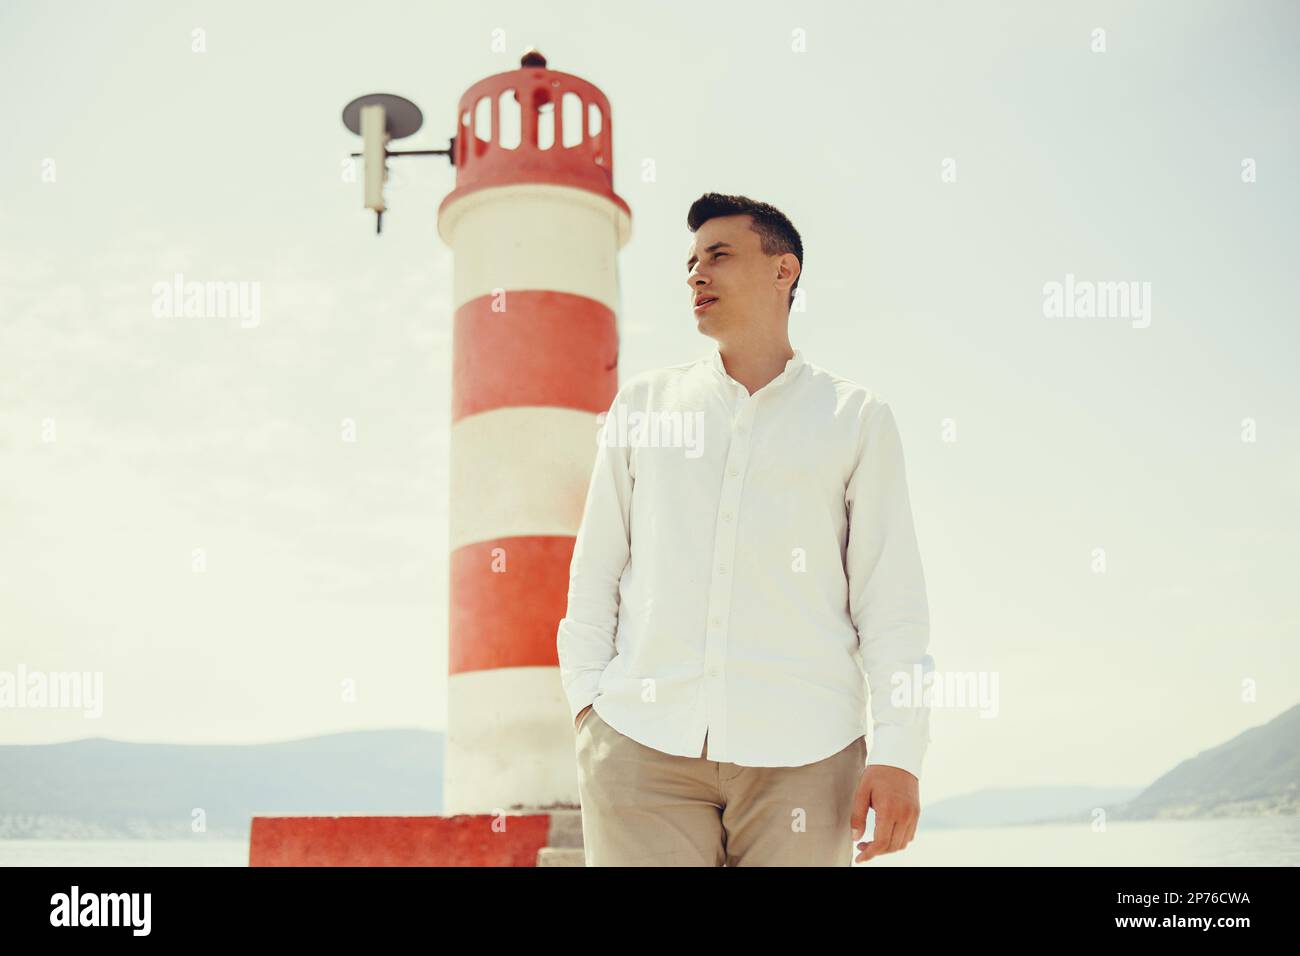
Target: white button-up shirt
pixel 743 561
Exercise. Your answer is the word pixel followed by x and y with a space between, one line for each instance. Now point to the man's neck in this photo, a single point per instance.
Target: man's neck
pixel 753 365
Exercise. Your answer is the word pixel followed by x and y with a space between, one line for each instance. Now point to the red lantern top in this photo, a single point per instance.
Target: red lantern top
pixel 530 126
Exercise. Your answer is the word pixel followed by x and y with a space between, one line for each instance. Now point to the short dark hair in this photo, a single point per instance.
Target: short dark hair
pixel 776 232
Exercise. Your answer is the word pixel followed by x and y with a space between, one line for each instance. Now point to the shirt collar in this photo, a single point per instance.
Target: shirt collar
pixel 792 366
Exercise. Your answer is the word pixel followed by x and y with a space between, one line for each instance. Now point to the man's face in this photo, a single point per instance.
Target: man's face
pixel 725 261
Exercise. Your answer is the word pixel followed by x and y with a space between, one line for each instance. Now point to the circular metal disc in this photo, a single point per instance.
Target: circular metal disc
pixel 401 116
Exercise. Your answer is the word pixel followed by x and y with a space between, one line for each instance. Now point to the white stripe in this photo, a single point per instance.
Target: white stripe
pixel 510 741
pixel 553 238
pixel 522 470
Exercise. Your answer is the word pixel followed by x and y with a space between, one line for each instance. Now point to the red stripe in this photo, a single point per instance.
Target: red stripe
pixel 508 618
pixel 547 348
pixel 464 840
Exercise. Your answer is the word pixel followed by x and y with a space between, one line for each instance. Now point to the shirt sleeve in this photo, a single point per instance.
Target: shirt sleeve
pixel 601 551
pixel 887 596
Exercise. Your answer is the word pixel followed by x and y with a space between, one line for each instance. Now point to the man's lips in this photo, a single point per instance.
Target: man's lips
pixel 705 302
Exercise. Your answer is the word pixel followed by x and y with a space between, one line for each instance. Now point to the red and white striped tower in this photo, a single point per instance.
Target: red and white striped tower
pixel 536 228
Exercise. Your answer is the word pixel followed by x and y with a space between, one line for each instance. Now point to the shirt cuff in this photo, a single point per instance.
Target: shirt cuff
pixel 582 691
pixel 901 747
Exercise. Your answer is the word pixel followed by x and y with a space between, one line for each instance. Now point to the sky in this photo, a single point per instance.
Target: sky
pixel 943 162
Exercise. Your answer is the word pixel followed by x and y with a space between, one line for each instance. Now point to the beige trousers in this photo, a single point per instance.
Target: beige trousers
pixel 643 807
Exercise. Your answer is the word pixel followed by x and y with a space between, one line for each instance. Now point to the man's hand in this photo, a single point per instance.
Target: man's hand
pixel 577 720
pixel 894 794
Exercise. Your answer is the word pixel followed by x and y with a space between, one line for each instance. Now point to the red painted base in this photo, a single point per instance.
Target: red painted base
pixel 466 840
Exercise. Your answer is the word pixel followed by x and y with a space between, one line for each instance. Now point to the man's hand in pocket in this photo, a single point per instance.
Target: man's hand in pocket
pixel 577 720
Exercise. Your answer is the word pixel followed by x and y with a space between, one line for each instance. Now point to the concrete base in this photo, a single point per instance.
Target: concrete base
pixel 552 856
pixel 544 838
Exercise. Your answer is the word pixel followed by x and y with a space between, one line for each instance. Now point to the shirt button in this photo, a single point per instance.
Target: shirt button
pixel 713 672
pixel 733 473
pixel 726 516
pixel 722 568
pixel 716 621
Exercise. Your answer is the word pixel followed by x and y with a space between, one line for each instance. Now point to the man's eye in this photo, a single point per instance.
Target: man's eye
pixel 719 255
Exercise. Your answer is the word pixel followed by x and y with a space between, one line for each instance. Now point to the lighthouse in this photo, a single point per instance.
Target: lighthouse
pixel 535 227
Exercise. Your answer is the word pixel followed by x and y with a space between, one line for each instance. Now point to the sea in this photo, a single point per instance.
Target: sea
pixel 1255 841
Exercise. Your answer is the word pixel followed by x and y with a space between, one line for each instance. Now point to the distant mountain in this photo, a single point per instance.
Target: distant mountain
pixel 1256 773
pixel 98 788
pixel 1006 807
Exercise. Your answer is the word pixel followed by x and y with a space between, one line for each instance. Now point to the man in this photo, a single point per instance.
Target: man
pixel 746 552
